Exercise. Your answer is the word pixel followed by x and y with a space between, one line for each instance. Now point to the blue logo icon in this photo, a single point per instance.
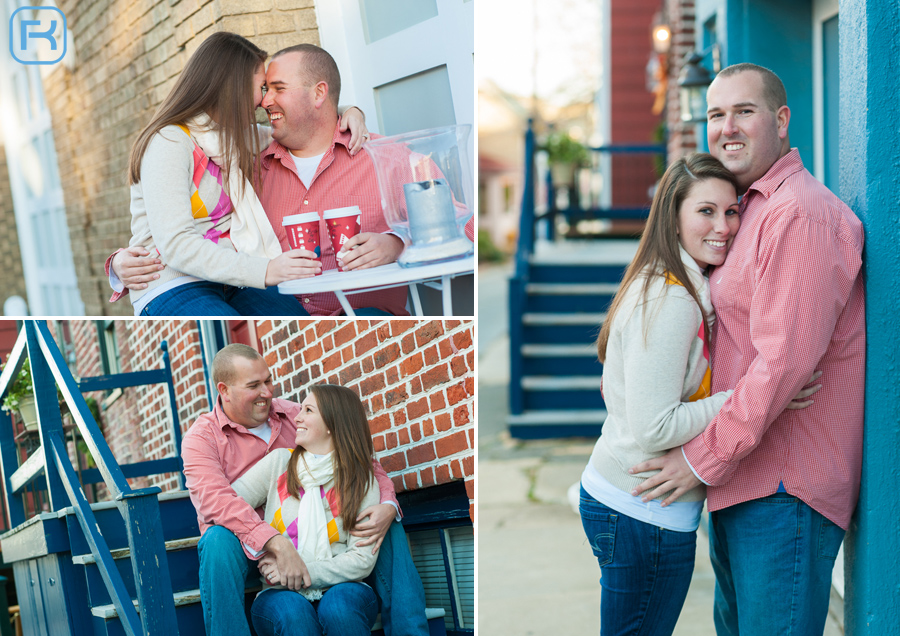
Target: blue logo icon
pixel 40 32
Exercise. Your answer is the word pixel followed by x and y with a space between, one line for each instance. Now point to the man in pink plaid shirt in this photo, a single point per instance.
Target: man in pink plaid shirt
pixel 789 299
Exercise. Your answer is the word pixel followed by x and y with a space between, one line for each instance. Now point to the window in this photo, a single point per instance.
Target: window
pixel 110 362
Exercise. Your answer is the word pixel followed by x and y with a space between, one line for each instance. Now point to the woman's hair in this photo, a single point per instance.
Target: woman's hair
pixel 218 78
pixel 345 417
pixel 658 252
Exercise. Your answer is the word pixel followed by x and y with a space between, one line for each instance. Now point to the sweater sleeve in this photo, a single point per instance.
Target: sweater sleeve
pixel 254 485
pixel 354 564
pixel 166 178
pixel 655 370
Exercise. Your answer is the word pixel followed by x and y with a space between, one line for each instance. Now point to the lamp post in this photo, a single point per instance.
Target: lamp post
pixel 693 81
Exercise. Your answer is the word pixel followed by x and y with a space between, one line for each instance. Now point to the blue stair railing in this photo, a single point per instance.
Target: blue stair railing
pixel 51 463
pixel 557 302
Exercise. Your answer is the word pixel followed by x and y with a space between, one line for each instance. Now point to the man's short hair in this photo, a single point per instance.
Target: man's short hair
pixel 223 363
pixel 317 66
pixel 773 88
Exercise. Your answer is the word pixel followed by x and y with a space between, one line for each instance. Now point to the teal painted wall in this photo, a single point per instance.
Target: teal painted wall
pixel 869 177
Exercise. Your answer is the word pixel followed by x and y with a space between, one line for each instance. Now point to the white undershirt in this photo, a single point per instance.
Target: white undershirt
pixel 306 167
pixel 263 432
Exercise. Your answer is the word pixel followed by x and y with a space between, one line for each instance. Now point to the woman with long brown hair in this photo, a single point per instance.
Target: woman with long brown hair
pixel 313 495
pixel 654 345
pixel 192 173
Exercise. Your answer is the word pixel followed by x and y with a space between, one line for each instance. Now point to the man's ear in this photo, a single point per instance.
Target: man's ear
pixel 783 117
pixel 222 388
pixel 321 93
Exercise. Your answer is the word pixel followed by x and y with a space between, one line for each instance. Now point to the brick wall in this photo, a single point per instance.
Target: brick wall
pixel 416 379
pixel 682 138
pixel 128 56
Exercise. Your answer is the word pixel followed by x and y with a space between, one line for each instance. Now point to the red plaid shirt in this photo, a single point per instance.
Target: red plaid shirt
pixel 789 300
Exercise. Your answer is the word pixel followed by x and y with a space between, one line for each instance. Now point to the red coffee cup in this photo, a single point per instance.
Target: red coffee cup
pixel 303 232
pixel 343 224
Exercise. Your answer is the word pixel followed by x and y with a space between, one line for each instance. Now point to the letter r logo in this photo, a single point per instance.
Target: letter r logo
pixel 38 34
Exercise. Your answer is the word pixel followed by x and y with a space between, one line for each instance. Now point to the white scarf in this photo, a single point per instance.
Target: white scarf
pixel 251 231
pixel 312 527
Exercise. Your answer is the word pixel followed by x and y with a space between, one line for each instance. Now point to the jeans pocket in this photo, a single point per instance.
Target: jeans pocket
pixel 600 527
pixel 830 538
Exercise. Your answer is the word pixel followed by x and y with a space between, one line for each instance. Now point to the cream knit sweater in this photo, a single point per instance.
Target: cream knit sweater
pixel 259 485
pixel 647 381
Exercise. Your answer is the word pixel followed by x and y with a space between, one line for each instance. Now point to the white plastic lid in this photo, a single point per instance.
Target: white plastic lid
pixel 338 213
pixel 306 217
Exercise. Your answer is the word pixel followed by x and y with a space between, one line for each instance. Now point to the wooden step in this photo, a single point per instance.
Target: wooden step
pixel 559 351
pixel 124 553
pixel 572 289
pixel 561 383
pixel 573 319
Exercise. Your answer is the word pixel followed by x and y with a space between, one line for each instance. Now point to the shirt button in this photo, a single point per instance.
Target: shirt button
pixel 306 300
pixel 306 203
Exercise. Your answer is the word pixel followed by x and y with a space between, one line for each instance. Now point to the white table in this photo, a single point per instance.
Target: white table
pixel 435 275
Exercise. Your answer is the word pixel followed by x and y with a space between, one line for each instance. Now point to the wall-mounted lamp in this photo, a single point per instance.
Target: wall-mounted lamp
pixel 693 82
pixel 662 38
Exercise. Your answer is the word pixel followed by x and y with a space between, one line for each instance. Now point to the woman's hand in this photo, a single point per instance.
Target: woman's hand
pixel 800 401
pixel 292 265
pixel 355 120
pixel 136 267
pixel 380 518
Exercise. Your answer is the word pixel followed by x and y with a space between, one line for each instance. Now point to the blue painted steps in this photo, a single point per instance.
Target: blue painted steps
pixel 560 307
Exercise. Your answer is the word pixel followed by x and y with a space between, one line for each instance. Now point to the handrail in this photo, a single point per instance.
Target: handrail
pixel 139 508
pixel 527 217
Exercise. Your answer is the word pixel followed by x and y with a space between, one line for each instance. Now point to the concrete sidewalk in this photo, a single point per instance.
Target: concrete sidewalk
pixel 536 572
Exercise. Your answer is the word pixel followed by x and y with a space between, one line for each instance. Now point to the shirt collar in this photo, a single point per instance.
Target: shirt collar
pixel 767 184
pixel 222 420
pixel 277 151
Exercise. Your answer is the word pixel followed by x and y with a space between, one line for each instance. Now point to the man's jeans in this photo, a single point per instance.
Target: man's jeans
pixel 347 609
pixel 773 559
pixel 645 570
pixel 205 298
pixel 224 569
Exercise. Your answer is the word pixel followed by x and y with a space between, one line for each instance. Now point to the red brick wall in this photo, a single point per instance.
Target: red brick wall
pixel 682 139
pixel 416 379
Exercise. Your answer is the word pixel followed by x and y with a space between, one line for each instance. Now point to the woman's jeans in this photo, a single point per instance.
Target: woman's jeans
pixel 205 298
pixel 224 569
pixel 347 609
pixel 645 570
pixel 773 559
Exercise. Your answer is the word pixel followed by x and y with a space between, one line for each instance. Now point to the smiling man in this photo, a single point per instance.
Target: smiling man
pixel 789 300
pixel 247 423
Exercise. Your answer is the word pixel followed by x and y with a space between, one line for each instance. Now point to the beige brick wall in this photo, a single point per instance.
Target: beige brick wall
pixel 128 55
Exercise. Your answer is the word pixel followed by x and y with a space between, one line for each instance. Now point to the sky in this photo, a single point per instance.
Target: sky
pixel 565 34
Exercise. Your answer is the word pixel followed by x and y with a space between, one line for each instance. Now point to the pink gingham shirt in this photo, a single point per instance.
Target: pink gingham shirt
pixel 789 300
pixel 340 181
pixel 216 451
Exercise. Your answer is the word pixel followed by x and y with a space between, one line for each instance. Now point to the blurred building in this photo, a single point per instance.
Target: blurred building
pixel 68 128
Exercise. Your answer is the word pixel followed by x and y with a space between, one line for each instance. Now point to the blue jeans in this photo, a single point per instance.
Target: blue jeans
pixel 205 298
pixel 398 586
pixel 773 559
pixel 347 609
pixel 224 569
pixel 645 570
